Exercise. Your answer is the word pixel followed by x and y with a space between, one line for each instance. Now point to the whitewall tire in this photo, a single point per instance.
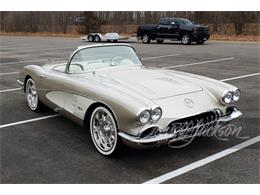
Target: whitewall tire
pixel 32 96
pixel 104 132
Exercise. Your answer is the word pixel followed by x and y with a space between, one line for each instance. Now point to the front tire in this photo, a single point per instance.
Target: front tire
pixel 146 38
pixel 104 131
pixel 186 39
pixel 32 96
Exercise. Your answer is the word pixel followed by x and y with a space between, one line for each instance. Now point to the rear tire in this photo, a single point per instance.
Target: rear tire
pixel 186 39
pixel 91 38
pixel 31 96
pixel 146 38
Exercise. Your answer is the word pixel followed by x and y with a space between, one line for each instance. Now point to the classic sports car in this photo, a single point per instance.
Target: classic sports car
pixel 106 88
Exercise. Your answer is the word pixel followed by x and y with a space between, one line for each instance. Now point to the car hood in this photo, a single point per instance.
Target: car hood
pixel 150 83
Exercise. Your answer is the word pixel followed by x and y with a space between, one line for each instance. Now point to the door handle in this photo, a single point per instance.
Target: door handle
pixel 42 76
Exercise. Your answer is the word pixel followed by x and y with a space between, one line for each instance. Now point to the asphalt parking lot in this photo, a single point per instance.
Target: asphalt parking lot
pixel 55 150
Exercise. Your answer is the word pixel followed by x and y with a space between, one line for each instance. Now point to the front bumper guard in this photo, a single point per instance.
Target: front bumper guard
pixel 167 137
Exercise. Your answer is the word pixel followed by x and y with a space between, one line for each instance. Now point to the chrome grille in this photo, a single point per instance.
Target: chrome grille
pixel 193 126
pixel 203 30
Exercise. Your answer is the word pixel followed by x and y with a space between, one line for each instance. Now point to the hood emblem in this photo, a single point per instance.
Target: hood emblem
pixel 188 102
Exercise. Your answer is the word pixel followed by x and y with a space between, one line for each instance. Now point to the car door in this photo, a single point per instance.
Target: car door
pixel 174 30
pixel 163 29
pixel 50 84
pixel 76 102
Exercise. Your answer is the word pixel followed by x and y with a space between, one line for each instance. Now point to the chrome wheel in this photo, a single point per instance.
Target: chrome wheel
pixel 31 94
pixel 185 39
pixel 103 130
pixel 146 39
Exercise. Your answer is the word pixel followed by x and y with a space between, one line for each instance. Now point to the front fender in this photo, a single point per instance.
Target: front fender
pixel 213 87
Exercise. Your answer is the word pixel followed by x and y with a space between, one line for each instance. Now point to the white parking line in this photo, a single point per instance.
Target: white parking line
pixel 239 77
pixel 202 162
pixel 196 63
pixel 8 73
pixel 155 57
pixel 8 90
pixel 28 121
pixel 36 60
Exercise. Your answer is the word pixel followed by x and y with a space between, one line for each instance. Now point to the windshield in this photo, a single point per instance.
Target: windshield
pixel 182 21
pixel 102 57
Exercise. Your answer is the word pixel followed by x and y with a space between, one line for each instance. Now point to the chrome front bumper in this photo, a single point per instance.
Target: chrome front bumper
pixel 166 137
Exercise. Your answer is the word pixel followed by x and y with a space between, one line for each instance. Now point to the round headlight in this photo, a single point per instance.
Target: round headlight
pixel 156 114
pixel 236 95
pixel 144 117
pixel 228 98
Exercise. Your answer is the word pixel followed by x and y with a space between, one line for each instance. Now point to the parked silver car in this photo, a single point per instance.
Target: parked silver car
pixel 106 88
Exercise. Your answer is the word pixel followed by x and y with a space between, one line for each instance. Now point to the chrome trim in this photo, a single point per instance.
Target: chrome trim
pixel 167 137
pixel 138 115
pixel 144 129
pixel 134 139
pixel 227 118
pixel 93 46
pixel 152 109
pixel 232 92
pixel 223 97
pixel 233 95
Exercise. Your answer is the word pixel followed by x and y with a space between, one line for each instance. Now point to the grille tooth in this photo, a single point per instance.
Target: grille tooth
pixel 197 124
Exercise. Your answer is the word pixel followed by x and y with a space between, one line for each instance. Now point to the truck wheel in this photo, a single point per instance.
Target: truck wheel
pixel 159 41
pixel 97 38
pixel 90 38
pixel 186 39
pixel 146 38
pixel 200 42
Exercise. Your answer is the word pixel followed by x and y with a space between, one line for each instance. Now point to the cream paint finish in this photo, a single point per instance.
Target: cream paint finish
pixel 72 103
pixel 150 83
pixel 127 90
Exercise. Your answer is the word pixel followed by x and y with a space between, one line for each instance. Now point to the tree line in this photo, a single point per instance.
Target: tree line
pixel 64 21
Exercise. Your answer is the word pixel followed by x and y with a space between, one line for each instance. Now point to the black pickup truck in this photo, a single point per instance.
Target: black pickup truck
pixel 173 29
